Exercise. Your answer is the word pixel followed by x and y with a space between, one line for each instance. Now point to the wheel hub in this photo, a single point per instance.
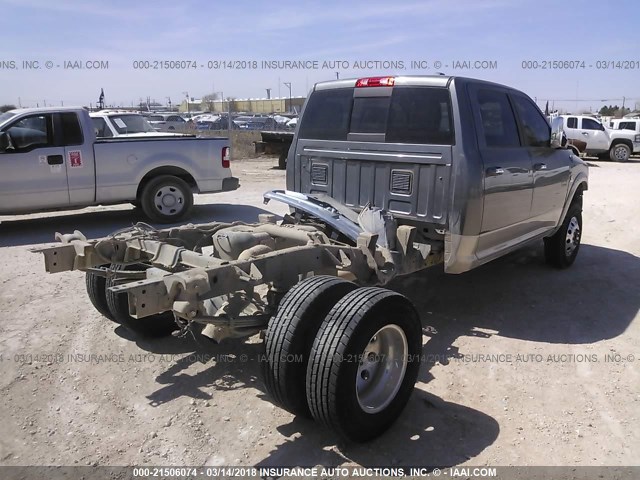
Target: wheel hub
pixel 573 236
pixel 382 367
pixel 169 200
pixel 620 153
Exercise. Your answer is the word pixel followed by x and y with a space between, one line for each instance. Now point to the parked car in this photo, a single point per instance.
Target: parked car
pixel 51 160
pixel 293 123
pixel 167 122
pixel 220 123
pixel 256 123
pixel 617 145
pixel 123 124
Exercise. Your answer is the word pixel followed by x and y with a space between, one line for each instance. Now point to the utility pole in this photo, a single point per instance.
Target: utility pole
pixel 288 85
pixel 186 94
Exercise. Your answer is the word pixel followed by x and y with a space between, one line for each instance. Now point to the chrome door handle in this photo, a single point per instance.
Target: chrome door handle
pixel 540 166
pixel 586 134
pixel 494 171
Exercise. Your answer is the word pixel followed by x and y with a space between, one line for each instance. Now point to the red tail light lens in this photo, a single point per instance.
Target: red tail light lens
pixel 225 157
pixel 376 82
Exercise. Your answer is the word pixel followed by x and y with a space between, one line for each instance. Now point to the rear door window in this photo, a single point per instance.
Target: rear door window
pixel 498 122
pixel 71 131
pixel 572 122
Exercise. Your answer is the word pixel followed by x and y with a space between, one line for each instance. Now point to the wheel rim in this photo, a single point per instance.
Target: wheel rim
pixel 169 200
pixel 382 368
pixel 573 236
pixel 620 153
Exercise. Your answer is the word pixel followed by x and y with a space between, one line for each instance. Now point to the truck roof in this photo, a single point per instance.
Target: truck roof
pixel 19 111
pixel 412 80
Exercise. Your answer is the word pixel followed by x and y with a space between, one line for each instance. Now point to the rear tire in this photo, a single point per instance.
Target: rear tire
pixel 290 335
pixel 620 152
pixel 364 363
pixel 282 160
pixel 97 292
pixel 166 199
pixel 159 325
pixel 561 249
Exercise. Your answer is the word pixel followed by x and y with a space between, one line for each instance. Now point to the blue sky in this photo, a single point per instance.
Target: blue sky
pixel 121 32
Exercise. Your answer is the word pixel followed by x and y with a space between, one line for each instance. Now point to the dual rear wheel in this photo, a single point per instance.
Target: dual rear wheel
pixel 346 356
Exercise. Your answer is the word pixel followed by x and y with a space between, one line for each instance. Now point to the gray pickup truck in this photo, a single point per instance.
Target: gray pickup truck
pixel 51 160
pixel 386 176
pixel 473 165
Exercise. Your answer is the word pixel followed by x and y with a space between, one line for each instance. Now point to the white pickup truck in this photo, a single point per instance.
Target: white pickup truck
pixel 110 123
pixel 50 159
pixel 617 145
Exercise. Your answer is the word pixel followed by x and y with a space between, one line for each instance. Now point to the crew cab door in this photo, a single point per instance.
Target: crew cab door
pixel 594 134
pixel 508 176
pixel 33 172
pixel 551 167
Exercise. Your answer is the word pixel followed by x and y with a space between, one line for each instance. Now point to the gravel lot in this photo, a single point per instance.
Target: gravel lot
pixel 526 365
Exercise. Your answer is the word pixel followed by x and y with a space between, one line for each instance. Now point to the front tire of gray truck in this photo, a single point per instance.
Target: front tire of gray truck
pixel 561 249
pixel 364 363
pixel 166 199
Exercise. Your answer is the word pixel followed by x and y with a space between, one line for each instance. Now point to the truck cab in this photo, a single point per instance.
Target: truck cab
pixel 587 129
pixel 472 164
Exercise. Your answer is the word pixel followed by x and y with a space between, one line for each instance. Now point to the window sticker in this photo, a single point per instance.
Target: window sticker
pixel 75 159
pixel 119 123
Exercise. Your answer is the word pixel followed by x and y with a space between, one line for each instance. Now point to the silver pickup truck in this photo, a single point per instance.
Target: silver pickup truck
pixel 386 176
pixel 50 159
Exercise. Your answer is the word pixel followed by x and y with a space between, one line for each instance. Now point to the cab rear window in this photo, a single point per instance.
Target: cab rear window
pixel 419 115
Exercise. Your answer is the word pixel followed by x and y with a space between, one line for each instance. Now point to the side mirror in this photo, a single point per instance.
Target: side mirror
pixel 558 137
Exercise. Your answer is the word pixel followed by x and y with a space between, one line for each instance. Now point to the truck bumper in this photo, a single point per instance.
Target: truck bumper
pixel 230 183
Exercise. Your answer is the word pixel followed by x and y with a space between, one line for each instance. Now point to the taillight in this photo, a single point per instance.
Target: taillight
pixel 225 157
pixel 376 82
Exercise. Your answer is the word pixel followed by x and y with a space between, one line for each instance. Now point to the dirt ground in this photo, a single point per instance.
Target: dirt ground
pixel 526 365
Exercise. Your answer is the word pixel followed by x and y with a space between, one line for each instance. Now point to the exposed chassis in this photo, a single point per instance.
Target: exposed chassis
pixel 231 276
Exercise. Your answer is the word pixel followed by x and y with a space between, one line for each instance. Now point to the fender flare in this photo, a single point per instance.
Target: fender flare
pixel 579 185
